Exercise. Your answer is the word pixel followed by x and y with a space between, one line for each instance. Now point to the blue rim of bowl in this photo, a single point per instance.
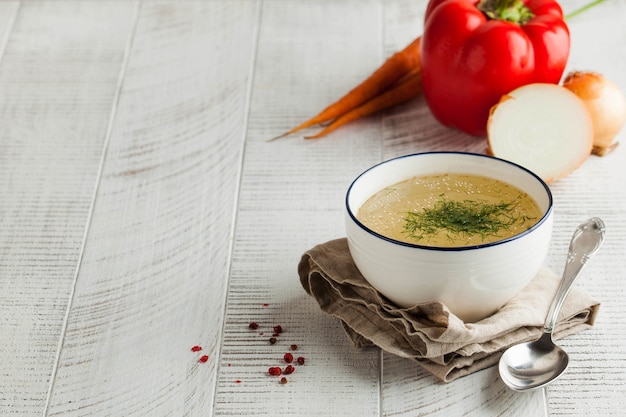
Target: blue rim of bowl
pixel 452 248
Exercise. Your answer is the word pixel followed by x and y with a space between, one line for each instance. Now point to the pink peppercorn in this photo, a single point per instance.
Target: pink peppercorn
pixel 275 371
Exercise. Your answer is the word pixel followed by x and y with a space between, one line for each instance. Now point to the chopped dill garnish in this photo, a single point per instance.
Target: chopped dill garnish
pixel 463 218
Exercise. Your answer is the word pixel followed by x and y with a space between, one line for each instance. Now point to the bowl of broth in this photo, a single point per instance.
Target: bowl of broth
pixel 468 230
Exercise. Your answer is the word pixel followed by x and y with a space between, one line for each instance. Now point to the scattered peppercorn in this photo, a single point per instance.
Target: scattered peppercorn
pixel 287 357
pixel 275 371
pixel 196 348
pixel 203 358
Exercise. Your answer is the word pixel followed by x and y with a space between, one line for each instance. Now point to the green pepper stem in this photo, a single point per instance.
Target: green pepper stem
pixel 582 9
pixel 514 11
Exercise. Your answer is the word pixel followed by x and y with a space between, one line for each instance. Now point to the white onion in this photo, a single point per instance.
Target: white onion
pixel 543 127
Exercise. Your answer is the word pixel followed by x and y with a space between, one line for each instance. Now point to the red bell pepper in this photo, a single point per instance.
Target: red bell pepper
pixel 473 52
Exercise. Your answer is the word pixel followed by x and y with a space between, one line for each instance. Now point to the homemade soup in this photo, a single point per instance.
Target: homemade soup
pixel 449 210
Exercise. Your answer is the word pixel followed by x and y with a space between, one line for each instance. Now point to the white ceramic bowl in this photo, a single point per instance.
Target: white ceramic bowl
pixel 472 281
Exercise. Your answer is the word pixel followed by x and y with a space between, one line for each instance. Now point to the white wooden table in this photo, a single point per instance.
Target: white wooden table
pixel 142 211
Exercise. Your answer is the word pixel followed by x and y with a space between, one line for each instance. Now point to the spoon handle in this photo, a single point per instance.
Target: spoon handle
pixel 585 242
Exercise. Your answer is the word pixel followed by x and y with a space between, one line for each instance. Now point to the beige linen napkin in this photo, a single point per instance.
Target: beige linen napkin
pixel 429 333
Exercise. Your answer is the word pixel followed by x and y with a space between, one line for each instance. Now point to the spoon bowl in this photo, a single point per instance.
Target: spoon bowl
pixel 535 364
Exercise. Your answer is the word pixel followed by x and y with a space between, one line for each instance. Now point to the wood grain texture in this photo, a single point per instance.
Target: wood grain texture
pixel 153 279
pixel 407 389
pixel 410 391
pixel 143 212
pixel 292 199
pixel 58 77
pixel 594 382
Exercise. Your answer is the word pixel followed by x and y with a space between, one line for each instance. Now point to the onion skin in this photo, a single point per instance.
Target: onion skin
pixel 604 102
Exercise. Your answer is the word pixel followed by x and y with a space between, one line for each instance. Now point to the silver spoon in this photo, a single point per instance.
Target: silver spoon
pixel 535 364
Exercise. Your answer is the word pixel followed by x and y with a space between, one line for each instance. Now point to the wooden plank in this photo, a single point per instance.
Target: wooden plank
pixel 58 78
pixel 406 389
pixel 153 279
pixel 410 391
pixel 292 194
pixel 594 383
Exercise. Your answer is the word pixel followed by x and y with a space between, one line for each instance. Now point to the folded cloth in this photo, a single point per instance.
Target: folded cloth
pixel 429 333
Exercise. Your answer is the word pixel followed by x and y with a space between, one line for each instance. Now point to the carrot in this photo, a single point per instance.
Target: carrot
pixel 393 69
pixel 410 88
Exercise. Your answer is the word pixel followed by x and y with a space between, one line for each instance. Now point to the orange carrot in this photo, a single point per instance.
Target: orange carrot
pixel 392 70
pixel 410 88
